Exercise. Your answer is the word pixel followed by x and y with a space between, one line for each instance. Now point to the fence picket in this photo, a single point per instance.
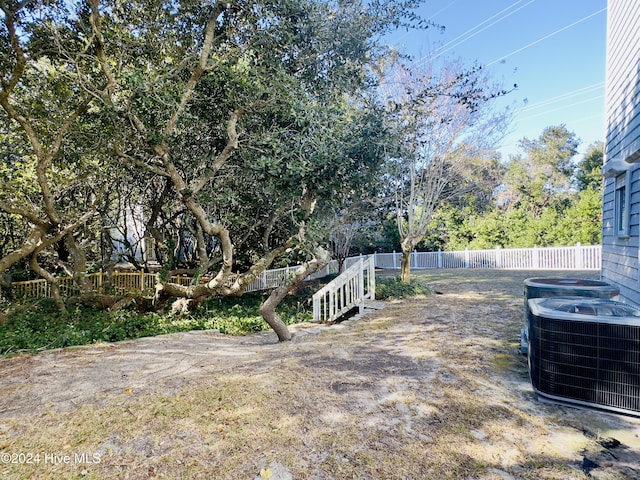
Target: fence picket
pixel 577 257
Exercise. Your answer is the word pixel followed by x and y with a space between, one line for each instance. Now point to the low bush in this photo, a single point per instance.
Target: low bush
pixel 391 288
pixel 37 325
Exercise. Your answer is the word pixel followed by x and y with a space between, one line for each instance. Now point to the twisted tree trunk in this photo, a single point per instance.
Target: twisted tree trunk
pixel 268 309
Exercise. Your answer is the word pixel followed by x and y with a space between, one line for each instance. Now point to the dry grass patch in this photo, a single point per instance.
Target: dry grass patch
pixel 429 388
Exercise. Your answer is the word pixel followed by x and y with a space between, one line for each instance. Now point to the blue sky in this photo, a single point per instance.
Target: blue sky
pixel 554 50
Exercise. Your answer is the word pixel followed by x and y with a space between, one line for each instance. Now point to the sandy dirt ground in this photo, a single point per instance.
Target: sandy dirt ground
pixel 430 387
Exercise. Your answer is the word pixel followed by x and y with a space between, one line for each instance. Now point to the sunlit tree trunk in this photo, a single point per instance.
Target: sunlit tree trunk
pixel 405 266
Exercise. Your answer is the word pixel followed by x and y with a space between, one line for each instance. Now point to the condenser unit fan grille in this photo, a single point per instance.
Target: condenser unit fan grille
pixel 586 361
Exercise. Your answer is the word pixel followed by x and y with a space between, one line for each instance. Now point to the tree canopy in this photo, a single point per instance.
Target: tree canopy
pixel 200 136
pixel 220 138
pixel 542 198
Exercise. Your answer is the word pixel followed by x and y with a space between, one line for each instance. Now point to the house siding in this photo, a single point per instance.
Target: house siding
pixel 622 147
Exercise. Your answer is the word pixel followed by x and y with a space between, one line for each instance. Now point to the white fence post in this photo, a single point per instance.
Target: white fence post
pixel 579 256
pixel 361 285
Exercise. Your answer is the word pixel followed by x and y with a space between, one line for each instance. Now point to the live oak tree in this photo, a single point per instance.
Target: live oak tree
pixel 240 118
pixel 49 183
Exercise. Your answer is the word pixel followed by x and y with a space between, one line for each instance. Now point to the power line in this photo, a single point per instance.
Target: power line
pixel 590 99
pixel 460 39
pixel 442 9
pixel 546 37
pixel 564 96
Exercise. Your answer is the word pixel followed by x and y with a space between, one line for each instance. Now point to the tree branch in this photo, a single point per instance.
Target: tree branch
pixel 230 147
pixel 209 35
pixel 31 216
pixel 28 246
pixel 96 25
pixel 139 163
pixel 21 60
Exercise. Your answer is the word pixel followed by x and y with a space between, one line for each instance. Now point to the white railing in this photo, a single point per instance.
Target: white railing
pixel 350 289
pixel 278 276
pixel 577 257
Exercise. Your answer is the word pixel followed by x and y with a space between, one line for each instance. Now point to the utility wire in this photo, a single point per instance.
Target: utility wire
pixel 460 39
pixel 590 99
pixel 446 7
pixel 546 37
pixel 564 96
pixel 440 51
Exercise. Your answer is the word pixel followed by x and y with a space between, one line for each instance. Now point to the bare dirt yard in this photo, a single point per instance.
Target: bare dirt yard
pixel 426 388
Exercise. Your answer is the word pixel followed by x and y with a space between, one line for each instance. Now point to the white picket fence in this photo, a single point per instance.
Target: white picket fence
pixel 349 289
pixel 276 277
pixel 577 257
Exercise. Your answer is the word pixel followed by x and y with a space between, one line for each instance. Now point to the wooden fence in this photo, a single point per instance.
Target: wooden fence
pixel 121 282
pixel 577 257
pixel 129 282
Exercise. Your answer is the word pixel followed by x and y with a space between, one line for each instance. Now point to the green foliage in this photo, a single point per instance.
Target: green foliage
pixel 38 325
pixel 138 105
pixel 567 220
pixel 538 206
pixel 582 222
pixel 589 171
pixel 545 170
pixel 393 288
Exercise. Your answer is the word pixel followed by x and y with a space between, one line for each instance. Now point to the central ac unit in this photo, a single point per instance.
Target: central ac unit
pixel 585 351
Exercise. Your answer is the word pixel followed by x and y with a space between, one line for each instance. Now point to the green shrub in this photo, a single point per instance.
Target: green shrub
pixel 390 288
pixel 37 325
